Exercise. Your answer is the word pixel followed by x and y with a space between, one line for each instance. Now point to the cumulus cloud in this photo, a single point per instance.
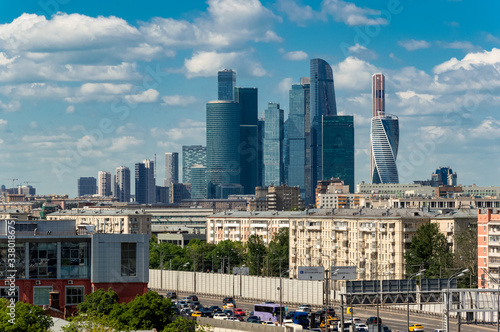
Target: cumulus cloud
pixel 488 129
pixel 208 63
pixel 99 92
pixel 362 52
pixel 298 13
pixel 350 14
pixel 459 45
pixel 12 106
pixel 70 109
pixel 285 85
pixel 296 55
pixel 178 100
pixel 124 143
pixel 412 44
pixel 148 96
pixel 353 73
pixel 471 61
pixel 3 124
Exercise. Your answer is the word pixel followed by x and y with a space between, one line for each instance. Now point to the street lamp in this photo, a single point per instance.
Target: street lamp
pixel 379 298
pixel 453 276
pixel 281 296
pixel 419 273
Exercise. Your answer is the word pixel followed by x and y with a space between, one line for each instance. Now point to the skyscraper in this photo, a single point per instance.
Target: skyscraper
pixel 384 136
pixel 87 186
pixel 123 184
pixel 248 147
pixel 227 83
pixel 260 152
pixel 171 168
pixel 338 149
pixel 223 139
pixel 145 187
pixel 199 183
pixel 104 179
pixel 273 145
pixel 322 102
pixel 192 155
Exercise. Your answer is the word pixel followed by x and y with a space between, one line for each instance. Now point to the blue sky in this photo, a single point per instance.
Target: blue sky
pixel 93 85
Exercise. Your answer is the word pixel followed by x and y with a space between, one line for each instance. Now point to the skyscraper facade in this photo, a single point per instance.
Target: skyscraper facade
pixel 296 137
pixel 226 84
pixel 171 168
pixel 223 140
pixel 87 186
pixel 192 155
pixel 199 183
pixel 104 180
pixel 123 184
pixel 322 102
pixel 384 136
pixel 145 187
pixel 273 145
pixel 338 149
pixel 248 147
pixel 260 152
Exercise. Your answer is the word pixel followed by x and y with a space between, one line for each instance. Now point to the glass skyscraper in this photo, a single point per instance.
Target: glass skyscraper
pixel 145 187
pixel 122 184
pixel 384 136
pixel 338 149
pixel 171 168
pixel 273 145
pixel 322 103
pixel 87 186
pixel 192 155
pixel 199 182
pixel 223 140
pixel 227 83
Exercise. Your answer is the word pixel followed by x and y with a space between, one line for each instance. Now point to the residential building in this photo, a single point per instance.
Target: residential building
pixel 491 191
pixel 338 148
pixel 145 188
pixel 122 184
pixel 332 186
pixel 397 189
pixel 273 145
pixel 171 168
pixel 104 184
pixel 58 258
pixel 192 155
pixel 226 84
pixel 87 186
pixel 488 248
pixel 384 137
pixel 339 201
pixel 276 198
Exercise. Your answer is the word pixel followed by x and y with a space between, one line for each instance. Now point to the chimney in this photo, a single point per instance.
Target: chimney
pixel 54 300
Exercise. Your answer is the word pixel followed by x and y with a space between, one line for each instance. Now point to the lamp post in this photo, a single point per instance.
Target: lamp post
pixel 281 295
pixel 453 276
pixel 379 298
pixel 419 273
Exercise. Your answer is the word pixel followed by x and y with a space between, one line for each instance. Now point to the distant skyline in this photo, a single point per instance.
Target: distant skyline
pixel 90 86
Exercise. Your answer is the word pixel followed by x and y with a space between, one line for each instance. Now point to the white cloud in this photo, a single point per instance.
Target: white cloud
pixel 4 60
pixel 471 61
pixel 13 106
pixel 208 63
pixel 36 91
pixel 148 96
pixel 299 14
pixel 33 124
pixel 178 100
pixel 285 85
pixel 296 55
pixel 362 52
pixel 488 129
pixel 103 92
pixel 460 45
pixel 70 109
pixel 353 73
pixel 412 44
pixel 350 14
pixel 124 143
pixel 3 124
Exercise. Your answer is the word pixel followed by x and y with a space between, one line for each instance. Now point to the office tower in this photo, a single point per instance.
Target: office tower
pixel 198 182
pixel 296 137
pixel 192 155
pixel 384 135
pixel 273 145
pixel 227 83
pixel 145 187
pixel 322 102
pixel 286 152
pixel 444 176
pixel 104 179
pixel 179 192
pixel 122 184
pixel 223 139
pixel 162 194
pixel 87 186
pixel 171 168
pixel 338 149
pixel 248 148
pixel 260 152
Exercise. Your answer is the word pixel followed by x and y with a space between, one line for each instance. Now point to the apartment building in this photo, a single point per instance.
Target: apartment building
pixel 488 248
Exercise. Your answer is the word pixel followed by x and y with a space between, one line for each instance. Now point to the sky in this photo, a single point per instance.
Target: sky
pixel 92 85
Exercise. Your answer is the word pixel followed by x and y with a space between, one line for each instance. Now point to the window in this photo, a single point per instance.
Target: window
pixel 6 292
pixel 74 295
pixel 128 260
pixel 41 295
pixel 43 260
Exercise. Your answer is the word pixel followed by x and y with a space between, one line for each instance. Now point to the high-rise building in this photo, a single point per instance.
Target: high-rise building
pixel 260 152
pixel 322 102
pixel 105 185
pixel 192 155
pixel 298 104
pixel 123 184
pixel 384 135
pixel 248 148
pixel 273 145
pixel 338 149
pixel 227 83
pixel 171 168
pixel 444 176
pixel 198 182
pixel 87 186
pixel 223 140
pixel 145 187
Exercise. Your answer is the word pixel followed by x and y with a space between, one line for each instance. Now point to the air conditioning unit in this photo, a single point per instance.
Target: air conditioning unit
pixel 70 282
pixel 38 282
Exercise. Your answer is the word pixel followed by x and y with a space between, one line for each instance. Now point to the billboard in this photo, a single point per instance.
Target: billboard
pixel 343 273
pixel 311 273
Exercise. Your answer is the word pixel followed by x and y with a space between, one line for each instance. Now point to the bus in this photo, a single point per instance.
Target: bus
pixel 268 312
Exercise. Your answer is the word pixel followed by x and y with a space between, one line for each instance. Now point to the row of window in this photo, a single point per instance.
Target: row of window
pixel 41 294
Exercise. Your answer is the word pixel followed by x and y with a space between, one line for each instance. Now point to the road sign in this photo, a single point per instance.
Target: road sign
pixel 241 270
pixel 343 273
pixel 311 273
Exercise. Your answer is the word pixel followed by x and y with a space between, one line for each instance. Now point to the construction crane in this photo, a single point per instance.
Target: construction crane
pixel 13 180
pixel 28 182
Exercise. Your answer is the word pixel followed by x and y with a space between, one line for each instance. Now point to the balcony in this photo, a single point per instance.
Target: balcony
pixel 307 246
pixel 232 225
pixel 340 228
pixel 365 229
pixel 383 229
pixel 391 261
pixel 450 230
pixel 407 240
pixel 494 254
pixel 409 230
pixel 258 225
pixel 391 250
pixel 314 227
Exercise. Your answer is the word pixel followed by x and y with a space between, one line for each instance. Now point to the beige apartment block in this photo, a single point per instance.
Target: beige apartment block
pixel 108 220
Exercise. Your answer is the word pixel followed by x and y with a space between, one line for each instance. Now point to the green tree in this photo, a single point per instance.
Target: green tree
pixel 99 302
pixel 181 324
pixel 278 252
pixel 89 323
pixel 228 254
pixel 465 256
pixel 27 317
pixel 256 253
pixel 428 250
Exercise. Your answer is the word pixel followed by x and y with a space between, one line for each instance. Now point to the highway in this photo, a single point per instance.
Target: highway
pixel 396 320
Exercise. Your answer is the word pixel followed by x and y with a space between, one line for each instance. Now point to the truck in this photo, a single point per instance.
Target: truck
pixel 301 318
pixel 329 322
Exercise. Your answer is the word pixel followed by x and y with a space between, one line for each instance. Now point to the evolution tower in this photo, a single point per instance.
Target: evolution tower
pixel 384 137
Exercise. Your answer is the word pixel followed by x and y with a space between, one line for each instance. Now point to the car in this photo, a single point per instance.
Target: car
pixel 416 328
pixel 171 295
pixel 304 308
pixel 195 305
pixel 361 327
pixel 268 323
pixel 253 319
pixel 182 304
pixel 206 312
pixel 373 320
pixel 239 317
pixel 438 330
pixel 239 311
pixel 269 302
pixel 234 319
pixel 355 320
pixel 228 313
pixel 220 316
pixel 228 300
pixel 317 329
pixel 387 329
pixel 186 299
pixel 193 297
pixel 228 305
pixel 176 310
pixel 329 311
pixel 186 311
pixel 215 308
pixel 196 314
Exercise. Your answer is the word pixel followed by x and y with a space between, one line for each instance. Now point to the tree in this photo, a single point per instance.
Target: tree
pixel 428 250
pixel 99 302
pixel 278 252
pixel 465 255
pixel 256 251
pixel 229 253
pixel 181 324
pixel 27 317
